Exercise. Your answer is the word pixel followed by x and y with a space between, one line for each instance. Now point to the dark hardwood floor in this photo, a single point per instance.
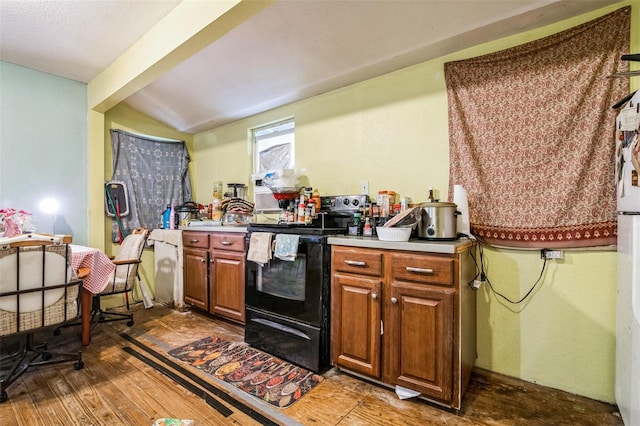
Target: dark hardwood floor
pixel 117 388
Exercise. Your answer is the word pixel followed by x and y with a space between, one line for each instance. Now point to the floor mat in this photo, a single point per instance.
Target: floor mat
pixel 257 373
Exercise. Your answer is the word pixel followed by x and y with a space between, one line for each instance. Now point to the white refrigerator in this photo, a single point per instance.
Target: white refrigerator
pixel 628 294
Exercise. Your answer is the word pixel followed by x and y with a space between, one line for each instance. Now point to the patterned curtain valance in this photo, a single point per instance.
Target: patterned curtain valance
pixel 531 136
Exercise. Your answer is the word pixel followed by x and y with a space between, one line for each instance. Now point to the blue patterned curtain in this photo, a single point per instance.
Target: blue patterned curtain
pixel 155 174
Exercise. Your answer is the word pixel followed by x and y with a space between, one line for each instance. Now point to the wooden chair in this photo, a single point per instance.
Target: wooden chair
pixel 124 277
pixel 38 290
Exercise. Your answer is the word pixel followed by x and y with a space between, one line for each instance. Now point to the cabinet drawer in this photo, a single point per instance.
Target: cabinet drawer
pixel 195 239
pixel 357 261
pixel 232 242
pixel 420 268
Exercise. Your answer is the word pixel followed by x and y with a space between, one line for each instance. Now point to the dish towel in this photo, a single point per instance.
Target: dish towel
pixel 287 247
pixel 260 247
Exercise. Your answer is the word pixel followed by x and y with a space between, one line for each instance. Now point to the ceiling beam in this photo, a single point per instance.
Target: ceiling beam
pixel 190 27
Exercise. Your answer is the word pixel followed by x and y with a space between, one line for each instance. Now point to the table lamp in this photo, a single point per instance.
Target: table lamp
pixel 50 206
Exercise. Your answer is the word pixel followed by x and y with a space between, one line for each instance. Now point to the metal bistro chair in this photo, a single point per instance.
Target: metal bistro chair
pixel 123 278
pixel 38 290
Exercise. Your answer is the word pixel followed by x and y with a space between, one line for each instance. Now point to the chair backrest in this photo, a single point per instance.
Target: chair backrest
pixel 127 261
pixel 38 286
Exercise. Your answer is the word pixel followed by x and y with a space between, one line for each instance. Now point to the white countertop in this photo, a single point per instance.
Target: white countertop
pixel 446 247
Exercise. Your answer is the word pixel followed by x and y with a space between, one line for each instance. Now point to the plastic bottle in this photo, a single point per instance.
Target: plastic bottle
pixel 172 218
pixel 308 214
pixel 166 217
pixel 316 198
pixel 383 201
pixel 375 215
pixel 354 227
pixel 301 212
pixel 366 230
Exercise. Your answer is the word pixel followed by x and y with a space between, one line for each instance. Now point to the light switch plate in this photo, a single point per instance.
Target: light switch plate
pixel 364 187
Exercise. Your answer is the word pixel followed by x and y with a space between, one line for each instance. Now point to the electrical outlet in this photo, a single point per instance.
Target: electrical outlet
pixel 551 254
pixel 364 187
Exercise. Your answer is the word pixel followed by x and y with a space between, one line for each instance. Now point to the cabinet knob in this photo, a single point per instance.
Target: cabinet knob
pixel 355 263
pixel 193 241
pixel 203 260
pixel 394 300
pixel 374 296
pixel 226 243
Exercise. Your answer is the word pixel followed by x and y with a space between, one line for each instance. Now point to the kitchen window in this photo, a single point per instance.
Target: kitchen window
pixel 273 149
pixel 274 146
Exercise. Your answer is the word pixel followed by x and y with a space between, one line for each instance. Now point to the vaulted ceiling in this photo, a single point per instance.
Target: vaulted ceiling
pixel 291 50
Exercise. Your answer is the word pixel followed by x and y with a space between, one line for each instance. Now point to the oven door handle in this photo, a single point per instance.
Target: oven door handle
pixel 281 327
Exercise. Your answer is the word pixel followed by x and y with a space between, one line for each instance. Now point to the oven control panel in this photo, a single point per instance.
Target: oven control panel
pixel 343 203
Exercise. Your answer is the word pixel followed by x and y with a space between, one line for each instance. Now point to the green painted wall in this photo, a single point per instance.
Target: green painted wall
pixel 43 147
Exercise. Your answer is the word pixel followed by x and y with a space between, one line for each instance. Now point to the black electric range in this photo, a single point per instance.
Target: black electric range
pixel 287 302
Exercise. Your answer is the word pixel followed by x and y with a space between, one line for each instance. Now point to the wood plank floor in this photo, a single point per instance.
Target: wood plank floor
pixel 116 388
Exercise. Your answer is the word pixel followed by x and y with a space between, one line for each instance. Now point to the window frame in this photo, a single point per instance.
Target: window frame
pixel 277 129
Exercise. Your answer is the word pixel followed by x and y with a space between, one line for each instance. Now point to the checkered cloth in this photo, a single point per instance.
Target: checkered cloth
pixel 99 264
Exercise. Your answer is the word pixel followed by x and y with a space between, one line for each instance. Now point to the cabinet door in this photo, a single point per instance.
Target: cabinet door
pixel 226 290
pixel 356 310
pixel 419 339
pixel 196 289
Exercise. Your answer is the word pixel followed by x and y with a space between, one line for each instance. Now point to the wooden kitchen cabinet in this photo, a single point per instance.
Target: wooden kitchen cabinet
pixel 405 318
pixel 226 279
pixel 356 315
pixel 195 269
pixel 419 348
pixel 214 272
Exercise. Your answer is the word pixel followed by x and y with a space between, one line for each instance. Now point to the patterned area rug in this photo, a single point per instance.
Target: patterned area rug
pixel 257 373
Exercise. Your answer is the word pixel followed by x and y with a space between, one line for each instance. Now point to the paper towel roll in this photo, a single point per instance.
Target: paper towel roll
pixel 462 203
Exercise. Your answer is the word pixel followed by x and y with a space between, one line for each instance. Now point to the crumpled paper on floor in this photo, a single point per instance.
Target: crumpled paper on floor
pixel 404 393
